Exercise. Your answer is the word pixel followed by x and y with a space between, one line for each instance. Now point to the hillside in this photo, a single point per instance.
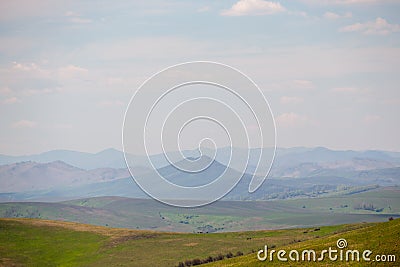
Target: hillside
pixel 354 206
pixel 32 242
pixel 381 239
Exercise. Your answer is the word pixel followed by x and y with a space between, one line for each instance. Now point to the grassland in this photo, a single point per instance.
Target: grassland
pixel 222 216
pixel 381 239
pixel 35 242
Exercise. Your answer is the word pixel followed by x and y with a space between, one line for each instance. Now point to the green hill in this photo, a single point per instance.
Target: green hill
pixel 383 239
pixel 35 242
pixel 223 216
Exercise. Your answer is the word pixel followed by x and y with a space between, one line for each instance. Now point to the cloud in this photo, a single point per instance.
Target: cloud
pixel 291 100
pixel 371 119
pixel 11 100
pixel 5 91
pixel 304 84
pixel 25 66
pixel 35 71
pixel 75 17
pixel 377 27
pixel 30 69
pixel 44 91
pixel 292 119
pixel 24 124
pixel 71 71
pixel 253 8
pixel 333 16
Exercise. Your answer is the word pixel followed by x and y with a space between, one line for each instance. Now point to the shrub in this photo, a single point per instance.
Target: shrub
pixel 196 262
pixel 239 253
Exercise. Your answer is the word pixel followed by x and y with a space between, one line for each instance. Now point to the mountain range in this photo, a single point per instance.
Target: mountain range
pixel 296 172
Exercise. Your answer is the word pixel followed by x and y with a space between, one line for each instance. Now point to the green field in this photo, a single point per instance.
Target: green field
pixel 372 206
pixel 34 242
pixel 381 239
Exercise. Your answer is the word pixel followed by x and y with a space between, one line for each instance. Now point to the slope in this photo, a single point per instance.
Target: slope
pixel 32 242
pixel 381 239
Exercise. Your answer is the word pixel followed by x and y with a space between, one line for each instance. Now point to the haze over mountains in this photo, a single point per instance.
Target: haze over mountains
pixel 296 172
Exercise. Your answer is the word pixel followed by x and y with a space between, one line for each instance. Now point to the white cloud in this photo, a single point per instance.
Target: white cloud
pixel 5 91
pixel 38 72
pixel 24 124
pixel 333 16
pixel 292 119
pixel 11 100
pixel 30 69
pixel 44 91
pixel 71 71
pixel 377 27
pixel 75 17
pixel 291 100
pixel 25 66
pixel 253 8
pixel 304 84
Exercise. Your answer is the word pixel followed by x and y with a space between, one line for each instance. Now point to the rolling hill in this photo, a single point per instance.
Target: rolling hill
pixel 383 240
pixel 371 206
pixel 33 242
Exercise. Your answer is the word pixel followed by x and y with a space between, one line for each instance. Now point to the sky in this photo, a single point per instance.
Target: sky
pixel 329 69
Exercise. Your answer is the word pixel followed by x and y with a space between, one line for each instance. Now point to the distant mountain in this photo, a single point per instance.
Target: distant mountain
pixel 296 172
pixel 208 171
pixel 32 176
pixel 284 158
pixel 59 181
pixel 109 158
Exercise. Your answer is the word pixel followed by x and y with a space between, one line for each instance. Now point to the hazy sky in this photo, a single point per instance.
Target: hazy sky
pixel 330 69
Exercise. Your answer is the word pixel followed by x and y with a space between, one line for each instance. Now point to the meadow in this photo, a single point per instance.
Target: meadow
pixel 36 242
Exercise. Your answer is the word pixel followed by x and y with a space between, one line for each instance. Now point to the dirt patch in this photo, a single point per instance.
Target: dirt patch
pixel 114 233
pixel 191 244
pixel 121 239
pixel 9 263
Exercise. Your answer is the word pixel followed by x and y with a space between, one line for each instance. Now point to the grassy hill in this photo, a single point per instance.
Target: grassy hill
pixel 381 239
pixel 35 242
pixel 222 216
